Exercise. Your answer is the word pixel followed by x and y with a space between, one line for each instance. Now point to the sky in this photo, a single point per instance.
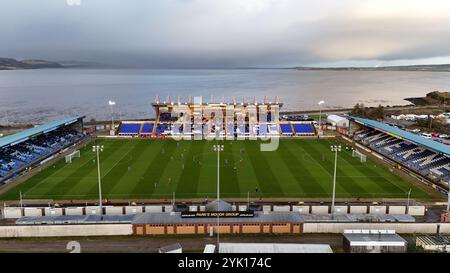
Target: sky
pixel 228 33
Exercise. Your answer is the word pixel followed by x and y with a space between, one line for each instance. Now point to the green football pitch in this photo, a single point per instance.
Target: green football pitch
pixel 155 168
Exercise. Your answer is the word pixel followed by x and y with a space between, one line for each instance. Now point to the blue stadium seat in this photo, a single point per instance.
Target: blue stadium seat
pixel 15 158
pixel 286 128
pixel 162 128
pixel 303 129
pixel 147 128
pixel 129 128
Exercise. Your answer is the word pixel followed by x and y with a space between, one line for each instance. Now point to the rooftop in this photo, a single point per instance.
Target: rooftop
pixel 175 218
pixel 273 248
pixel 218 205
pixel 374 237
pixel 401 134
pixel 41 129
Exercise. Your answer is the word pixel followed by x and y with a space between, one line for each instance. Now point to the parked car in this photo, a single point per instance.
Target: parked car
pixel 434 134
pixel 415 131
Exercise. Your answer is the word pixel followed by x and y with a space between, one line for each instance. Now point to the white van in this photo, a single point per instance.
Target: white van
pixel 426 135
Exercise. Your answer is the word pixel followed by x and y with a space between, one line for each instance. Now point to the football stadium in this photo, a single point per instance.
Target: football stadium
pixel 172 157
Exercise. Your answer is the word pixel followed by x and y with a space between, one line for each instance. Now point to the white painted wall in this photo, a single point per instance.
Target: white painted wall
pixel 12 213
pixel 377 209
pixel 65 230
pixel 282 208
pixel 416 210
pixel 168 208
pixel 53 211
pixel 133 209
pixel 398 227
pixel 358 209
pixel 114 210
pixel 33 212
pixel 74 211
pixel 153 208
pixel 319 209
pixel 340 209
pixel 397 209
pixel 92 210
pixel 242 208
pixel 301 209
pixel 444 228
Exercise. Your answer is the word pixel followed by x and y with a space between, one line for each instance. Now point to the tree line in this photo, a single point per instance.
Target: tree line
pixel 368 112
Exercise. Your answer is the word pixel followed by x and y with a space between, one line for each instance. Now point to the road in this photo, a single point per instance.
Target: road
pixel 135 244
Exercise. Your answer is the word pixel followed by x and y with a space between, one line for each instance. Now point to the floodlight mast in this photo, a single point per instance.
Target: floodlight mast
pixel 111 104
pixel 320 115
pixel 335 149
pixel 218 148
pixel 97 149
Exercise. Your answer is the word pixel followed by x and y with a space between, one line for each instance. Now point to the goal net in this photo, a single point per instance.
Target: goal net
pixel 362 157
pixel 71 156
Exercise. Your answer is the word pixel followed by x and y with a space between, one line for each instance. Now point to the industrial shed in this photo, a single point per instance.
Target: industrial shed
pixel 373 241
pixel 436 243
pixel 338 121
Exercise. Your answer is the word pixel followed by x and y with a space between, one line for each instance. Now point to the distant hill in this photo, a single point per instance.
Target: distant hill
pixel 434 67
pixel 85 64
pixel 13 64
pixel 432 98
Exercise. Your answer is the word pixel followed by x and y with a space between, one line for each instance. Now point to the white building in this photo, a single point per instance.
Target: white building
pixel 338 121
pixel 373 241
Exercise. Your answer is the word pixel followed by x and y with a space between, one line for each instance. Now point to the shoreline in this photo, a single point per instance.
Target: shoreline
pixel 16 127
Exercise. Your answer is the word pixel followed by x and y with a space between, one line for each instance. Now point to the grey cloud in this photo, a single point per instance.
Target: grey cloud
pixel 228 33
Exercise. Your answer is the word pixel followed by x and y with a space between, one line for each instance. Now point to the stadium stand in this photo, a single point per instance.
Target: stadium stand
pixel 426 157
pixel 303 128
pixel 163 129
pixel 129 129
pixel 286 129
pixel 29 147
pixel 262 129
pixel 147 129
pixel 242 123
pixel 273 129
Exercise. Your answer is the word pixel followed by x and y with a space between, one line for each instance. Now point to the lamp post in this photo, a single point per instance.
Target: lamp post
pixel 320 115
pixel 97 149
pixel 335 149
pixel 218 148
pixel 21 200
pixel 111 104
pixel 407 202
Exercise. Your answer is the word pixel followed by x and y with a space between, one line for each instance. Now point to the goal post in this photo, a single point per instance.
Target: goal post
pixel 71 156
pixel 362 157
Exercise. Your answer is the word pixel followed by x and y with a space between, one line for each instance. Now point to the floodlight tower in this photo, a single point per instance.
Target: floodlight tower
pixel 320 115
pixel 335 149
pixel 97 149
pixel 218 148
pixel 111 105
